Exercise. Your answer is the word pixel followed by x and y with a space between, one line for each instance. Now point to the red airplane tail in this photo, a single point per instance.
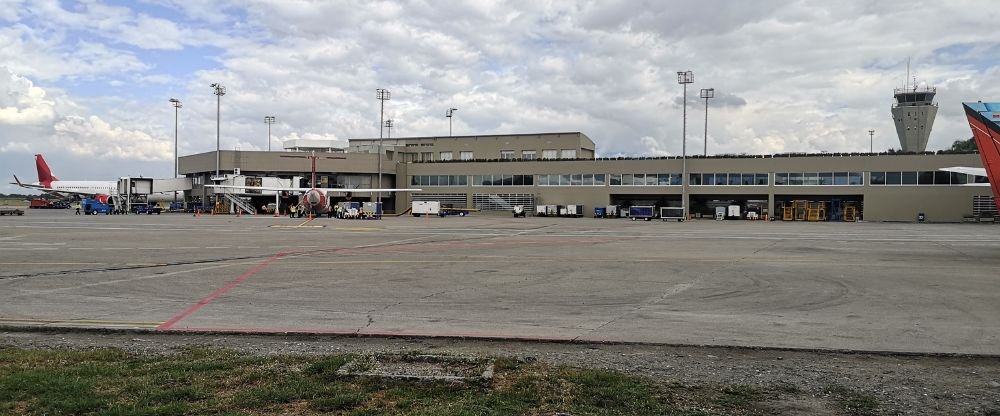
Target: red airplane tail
pixel 984 119
pixel 45 177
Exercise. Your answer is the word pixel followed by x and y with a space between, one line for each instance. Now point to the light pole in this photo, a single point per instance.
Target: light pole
pixel 382 95
pixel 269 120
pixel 177 105
pixel 388 128
pixel 871 142
pixel 450 113
pixel 707 93
pixel 219 91
pixel 684 78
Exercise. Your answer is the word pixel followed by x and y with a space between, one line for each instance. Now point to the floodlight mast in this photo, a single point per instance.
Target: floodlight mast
pixel 382 95
pixel 871 142
pixel 388 128
pixel 450 114
pixel 269 120
pixel 219 90
pixel 684 78
pixel 177 105
pixel 707 93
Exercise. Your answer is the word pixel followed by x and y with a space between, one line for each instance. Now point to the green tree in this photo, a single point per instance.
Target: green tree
pixel 964 145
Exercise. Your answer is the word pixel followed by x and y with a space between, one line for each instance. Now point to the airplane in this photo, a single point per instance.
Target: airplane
pixel 312 199
pixel 99 190
pixel 984 119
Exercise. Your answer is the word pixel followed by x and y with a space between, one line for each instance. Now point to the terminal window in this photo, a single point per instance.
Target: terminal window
pixel 528 154
pixel 465 155
pixel 445 155
pixel 506 154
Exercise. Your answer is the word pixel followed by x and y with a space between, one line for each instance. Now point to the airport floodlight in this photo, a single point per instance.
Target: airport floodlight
pixel 219 90
pixel 450 113
pixel 388 128
pixel 382 95
pixel 684 78
pixel 871 141
pixel 269 120
pixel 707 93
pixel 177 105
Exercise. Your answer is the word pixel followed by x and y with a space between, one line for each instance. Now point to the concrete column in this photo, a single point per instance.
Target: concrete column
pixel 770 204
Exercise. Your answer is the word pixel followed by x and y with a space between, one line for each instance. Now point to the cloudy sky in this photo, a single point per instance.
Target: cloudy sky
pixel 87 83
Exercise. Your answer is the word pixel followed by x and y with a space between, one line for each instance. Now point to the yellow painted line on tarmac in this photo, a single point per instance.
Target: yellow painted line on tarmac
pixel 302 225
pixel 78 322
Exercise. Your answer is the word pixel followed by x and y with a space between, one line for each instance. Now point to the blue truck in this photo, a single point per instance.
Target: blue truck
pixel 94 207
pixel 147 209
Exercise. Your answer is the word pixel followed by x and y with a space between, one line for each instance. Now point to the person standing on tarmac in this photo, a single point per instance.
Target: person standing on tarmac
pixel 77 206
pixel 291 211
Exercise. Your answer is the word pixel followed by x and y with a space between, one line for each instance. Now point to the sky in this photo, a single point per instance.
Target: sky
pixel 86 83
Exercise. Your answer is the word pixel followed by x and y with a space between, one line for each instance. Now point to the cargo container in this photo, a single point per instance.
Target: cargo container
pixel 672 213
pixel 572 211
pixel 425 208
pixel 642 212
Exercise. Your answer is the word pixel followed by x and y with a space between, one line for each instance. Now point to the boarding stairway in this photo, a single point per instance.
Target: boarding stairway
pixel 502 203
pixel 240 204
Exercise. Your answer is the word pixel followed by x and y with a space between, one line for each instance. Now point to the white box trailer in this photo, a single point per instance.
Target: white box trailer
pixel 546 210
pixel 425 208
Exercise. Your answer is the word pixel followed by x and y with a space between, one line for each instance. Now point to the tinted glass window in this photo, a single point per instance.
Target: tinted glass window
pixel 598 179
pixel 564 180
pixel 810 178
pixel 893 178
pixel 856 178
pixel 748 178
pixel 626 179
pixel 663 179
pixel 959 178
pixel 795 179
pixel 942 178
pixel 616 179
pixel 909 178
pixel 780 178
pixel 588 179
pixel 826 178
pixel 925 178
pixel 761 179
pixel 840 178
pixel 734 178
pixel 695 179
pixel 576 179
pixel 877 178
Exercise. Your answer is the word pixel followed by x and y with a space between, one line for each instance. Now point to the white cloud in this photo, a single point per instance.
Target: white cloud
pixel 92 136
pixel 21 102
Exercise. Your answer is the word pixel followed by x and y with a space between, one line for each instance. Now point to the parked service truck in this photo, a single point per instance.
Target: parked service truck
pixel 425 208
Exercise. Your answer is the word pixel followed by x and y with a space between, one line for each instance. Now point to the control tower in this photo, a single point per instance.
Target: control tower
pixel 914 113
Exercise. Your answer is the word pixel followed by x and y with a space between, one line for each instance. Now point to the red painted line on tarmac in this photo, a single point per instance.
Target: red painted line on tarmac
pixel 374 333
pixel 219 292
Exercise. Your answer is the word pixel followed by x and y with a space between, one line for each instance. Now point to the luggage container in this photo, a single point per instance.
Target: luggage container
pixel 612 211
pixel 720 213
pixel 574 211
pixel 600 212
pixel 546 210
pixel 373 210
pixel 672 213
pixel 425 208
pixel 642 212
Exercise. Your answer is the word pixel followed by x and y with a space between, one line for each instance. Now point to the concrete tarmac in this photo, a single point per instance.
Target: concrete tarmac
pixel 861 286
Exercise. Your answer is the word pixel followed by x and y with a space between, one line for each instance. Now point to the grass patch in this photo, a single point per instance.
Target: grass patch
pixel 854 402
pixel 223 382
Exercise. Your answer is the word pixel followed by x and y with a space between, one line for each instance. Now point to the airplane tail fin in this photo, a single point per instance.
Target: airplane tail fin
pixel 44 173
pixel 984 119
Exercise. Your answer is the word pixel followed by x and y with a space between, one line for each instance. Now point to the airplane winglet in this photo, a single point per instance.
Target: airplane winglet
pixel 17 181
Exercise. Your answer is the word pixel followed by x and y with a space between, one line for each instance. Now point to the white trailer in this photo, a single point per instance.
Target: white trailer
pixel 426 208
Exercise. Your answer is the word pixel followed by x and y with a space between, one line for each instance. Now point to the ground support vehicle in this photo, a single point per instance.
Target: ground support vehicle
pixel 600 212
pixel 575 211
pixel 642 212
pixel 11 211
pixel 546 210
pixel 672 213
pixel 147 209
pixel 461 212
pixel 519 211
pixel 94 207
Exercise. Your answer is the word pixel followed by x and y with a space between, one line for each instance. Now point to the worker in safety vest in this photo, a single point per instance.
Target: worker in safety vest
pixel 291 211
pixel 77 206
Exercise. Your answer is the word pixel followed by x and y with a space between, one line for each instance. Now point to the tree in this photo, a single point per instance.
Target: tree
pixel 964 145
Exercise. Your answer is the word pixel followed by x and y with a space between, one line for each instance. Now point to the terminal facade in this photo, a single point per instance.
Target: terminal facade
pixel 495 172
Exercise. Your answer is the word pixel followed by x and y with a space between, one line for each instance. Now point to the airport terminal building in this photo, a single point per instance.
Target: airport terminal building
pixel 495 172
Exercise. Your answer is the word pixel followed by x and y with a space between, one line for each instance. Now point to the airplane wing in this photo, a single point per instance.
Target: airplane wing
pixel 57 192
pixel 327 190
pixel 966 170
